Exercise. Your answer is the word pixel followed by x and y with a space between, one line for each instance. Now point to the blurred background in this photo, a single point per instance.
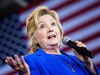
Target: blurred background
pixel 80 20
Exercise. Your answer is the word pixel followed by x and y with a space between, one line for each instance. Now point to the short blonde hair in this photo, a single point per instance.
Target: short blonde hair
pixel 32 24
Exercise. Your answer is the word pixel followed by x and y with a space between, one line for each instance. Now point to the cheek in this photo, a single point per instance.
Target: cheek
pixel 40 35
pixel 58 32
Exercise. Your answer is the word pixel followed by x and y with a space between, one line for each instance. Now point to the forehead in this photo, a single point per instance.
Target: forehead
pixel 45 18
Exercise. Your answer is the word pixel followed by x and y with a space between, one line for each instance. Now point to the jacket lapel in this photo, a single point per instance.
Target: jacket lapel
pixel 48 62
pixel 76 61
pixel 73 58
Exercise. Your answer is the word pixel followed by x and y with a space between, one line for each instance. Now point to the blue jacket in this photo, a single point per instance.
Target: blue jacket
pixel 40 63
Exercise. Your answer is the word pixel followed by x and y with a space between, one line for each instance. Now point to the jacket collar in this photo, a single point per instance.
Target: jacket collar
pixel 48 62
pixel 40 52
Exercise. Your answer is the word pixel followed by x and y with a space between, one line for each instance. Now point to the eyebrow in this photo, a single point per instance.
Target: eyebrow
pixel 49 20
pixel 52 19
pixel 40 22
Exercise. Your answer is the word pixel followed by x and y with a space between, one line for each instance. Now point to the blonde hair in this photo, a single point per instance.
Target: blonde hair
pixel 32 24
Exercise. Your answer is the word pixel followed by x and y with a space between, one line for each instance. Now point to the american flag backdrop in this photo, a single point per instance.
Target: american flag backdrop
pixel 80 20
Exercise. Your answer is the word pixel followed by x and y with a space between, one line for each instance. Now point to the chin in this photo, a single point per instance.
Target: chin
pixel 53 44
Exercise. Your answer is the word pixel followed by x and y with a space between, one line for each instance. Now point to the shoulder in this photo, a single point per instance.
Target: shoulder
pixel 31 59
pixel 30 56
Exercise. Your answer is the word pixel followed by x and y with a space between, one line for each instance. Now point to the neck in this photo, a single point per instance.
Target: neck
pixel 52 51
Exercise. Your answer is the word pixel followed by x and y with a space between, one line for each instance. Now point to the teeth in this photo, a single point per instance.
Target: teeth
pixel 51 36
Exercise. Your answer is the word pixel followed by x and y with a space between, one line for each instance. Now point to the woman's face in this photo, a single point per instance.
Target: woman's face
pixel 48 33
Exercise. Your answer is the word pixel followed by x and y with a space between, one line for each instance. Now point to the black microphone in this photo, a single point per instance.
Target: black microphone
pixel 81 50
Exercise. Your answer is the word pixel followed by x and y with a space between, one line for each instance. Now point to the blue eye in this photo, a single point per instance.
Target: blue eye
pixel 53 24
pixel 42 26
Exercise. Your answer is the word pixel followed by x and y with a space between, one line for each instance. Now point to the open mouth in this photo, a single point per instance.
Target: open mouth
pixel 51 36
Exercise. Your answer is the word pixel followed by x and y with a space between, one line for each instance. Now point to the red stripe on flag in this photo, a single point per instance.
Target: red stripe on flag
pixel 79 27
pixel 11 73
pixel 80 12
pixel 91 37
pixel 96 51
pixel 63 5
pixel 98 65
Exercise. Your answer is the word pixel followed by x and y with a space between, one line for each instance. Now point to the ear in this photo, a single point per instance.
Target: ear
pixel 35 39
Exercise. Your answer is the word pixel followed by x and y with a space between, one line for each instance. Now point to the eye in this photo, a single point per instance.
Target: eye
pixel 53 24
pixel 42 26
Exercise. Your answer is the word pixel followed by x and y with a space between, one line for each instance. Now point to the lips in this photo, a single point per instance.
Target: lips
pixel 51 36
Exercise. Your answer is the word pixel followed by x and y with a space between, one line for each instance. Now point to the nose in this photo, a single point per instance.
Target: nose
pixel 51 30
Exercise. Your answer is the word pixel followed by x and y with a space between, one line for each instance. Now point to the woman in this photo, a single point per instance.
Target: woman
pixel 45 33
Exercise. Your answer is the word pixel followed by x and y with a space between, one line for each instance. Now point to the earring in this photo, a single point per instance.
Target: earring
pixel 36 42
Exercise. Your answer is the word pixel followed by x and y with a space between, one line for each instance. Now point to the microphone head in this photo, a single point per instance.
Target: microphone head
pixel 65 40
